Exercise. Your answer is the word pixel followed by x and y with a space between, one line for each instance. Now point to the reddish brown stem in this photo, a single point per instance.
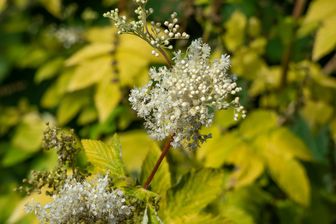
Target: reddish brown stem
pixel 164 152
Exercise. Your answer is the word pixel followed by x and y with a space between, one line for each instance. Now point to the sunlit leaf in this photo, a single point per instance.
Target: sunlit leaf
pixel 325 38
pixel 194 192
pixel 135 145
pixel 107 97
pixel 105 157
pixel 198 218
pixel 90 72
pixel 101 34
pixel 319 10
pixel 53 6
pixel 89 52
pixel 49 69
pixel 29 133
pixel 258 122
pixel 235 30
pixel 235 215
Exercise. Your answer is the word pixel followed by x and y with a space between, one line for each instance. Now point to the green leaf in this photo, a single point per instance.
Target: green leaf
pixel 89 52
pixel 193 193
pixel 197 218
pixel 13 155
pixel 258 122
pixel 28 134
pixel 161 182
pixel 88 115
pixel 325 39
pixel 288 173
pixel 49 69
pixel 151 216
pixel 90 72
pixel 70 105
pixel 105 157
pixel 106 98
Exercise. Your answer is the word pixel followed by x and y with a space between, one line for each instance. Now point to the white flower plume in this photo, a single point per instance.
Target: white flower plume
pixel 178 101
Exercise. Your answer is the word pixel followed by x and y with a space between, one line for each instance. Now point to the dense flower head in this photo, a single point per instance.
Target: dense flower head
pixel 84 202
pixel 178 101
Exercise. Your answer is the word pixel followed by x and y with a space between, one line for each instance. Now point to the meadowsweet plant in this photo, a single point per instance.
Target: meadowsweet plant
pixel 182 98
pixel 176 103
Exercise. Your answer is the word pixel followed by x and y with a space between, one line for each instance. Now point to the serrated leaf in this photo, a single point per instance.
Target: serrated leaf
pixel 193 193
pixel 89 52
pixel 325 38
pixel 28 134
pixel 161 181
pixel 288 173
pixel 106 98
pixel 258 122
pixel 49 69
pixel 70 105
pixel 105 157
pixel 90 72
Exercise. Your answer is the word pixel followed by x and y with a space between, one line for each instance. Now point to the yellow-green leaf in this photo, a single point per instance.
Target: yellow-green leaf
pixel 107 97
pixel 258 122
pixel 193 193
pixel 235 31
pixel 319 10
pixel 53 6
pixel 313 110
pixel 288 173
pixel 70 105
pixel 90 72
pixel 197 218
pixel 235 215
pixel 325 38
pixel 89 52
pixel 49 69
pixel 135 144
pixel 101 34
pixel 104 157
pixel 28 135
pixel 161 181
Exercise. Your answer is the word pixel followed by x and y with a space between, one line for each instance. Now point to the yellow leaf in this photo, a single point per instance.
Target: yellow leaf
pixel 235 31
pixel 319 10
pixel 101 34
pixel 258 122
pixel 90 72
pixel 135 147
pixel 107 97
pixel 249 165
pixel 49 69
pixel 28 134
pixel 285 170
pixel 104 157
pixel 161 182
pixel 89 52
pixel 53 6
pixel 325 38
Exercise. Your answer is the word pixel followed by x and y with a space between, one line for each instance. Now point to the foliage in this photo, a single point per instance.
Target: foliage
pixel 61 62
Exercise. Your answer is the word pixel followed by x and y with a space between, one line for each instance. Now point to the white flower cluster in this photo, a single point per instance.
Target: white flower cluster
pixel 154 35
pixel 87 202
pixel 179 101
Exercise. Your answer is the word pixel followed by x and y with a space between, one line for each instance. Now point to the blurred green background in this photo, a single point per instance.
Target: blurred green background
pixel 62 62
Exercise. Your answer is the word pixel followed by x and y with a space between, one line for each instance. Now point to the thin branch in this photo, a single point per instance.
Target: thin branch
pixel 157 165
pixel 297 11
